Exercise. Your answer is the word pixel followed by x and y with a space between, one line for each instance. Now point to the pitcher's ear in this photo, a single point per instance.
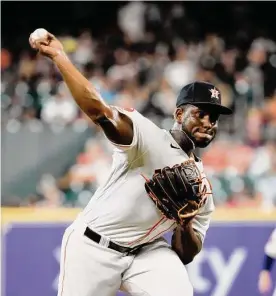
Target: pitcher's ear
pixel 178 114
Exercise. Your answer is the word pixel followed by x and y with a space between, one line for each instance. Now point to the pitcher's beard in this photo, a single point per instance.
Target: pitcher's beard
pixel 183 140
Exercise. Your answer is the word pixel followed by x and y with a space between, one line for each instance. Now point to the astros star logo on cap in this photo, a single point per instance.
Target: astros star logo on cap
pixel 215 93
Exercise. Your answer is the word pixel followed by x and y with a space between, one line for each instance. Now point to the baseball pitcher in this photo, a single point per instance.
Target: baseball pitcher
pixel 156 185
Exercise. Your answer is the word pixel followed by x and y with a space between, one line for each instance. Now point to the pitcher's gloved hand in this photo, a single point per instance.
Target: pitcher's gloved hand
pixel 178 191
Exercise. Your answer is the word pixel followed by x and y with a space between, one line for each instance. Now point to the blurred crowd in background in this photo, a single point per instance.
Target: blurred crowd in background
pixel 143 64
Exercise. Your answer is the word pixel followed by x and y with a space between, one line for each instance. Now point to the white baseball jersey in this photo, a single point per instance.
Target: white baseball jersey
pixel 121 209
pixel 270 247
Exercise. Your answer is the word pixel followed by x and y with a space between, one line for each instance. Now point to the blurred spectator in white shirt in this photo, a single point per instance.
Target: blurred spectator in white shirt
pixel 266 188
pixel 52 196
pixel 124 68
pixel 85 49
pixel 92 166
pixel 60 108
pixel 262 160
pixel 181 71
pixel 131 20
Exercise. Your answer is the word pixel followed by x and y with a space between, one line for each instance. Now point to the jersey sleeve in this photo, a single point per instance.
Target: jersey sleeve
pixel 270 247
pixel 140 124
pixel 201 222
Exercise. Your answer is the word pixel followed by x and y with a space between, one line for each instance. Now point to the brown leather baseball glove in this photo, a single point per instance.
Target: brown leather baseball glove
pixel 178 191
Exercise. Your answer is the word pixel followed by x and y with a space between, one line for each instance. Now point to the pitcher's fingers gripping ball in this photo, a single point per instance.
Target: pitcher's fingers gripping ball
pixel 37 35
pixel 46 43
pixel 178 192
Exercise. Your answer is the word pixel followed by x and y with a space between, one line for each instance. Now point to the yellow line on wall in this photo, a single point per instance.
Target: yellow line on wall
pixel 13 215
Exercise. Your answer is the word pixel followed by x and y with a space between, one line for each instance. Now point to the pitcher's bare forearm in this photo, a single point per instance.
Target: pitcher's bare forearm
pixel 186 242
pixel 83 92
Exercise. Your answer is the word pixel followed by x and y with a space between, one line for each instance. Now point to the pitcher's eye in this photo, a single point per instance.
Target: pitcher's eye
pixel 201 114
pixel 214 118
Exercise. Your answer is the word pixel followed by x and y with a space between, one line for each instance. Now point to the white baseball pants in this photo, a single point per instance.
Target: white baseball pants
pixel 90 269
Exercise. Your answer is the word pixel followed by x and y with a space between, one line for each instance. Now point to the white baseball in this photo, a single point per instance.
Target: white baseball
pixel 38 33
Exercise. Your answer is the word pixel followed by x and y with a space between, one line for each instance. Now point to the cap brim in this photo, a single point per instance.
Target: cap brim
pixel 217 108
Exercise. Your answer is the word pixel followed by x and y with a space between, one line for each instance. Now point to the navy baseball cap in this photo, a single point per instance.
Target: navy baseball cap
pixel 201 93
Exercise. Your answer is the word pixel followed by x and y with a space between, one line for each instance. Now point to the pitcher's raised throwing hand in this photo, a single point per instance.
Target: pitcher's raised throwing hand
pixel 46 43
